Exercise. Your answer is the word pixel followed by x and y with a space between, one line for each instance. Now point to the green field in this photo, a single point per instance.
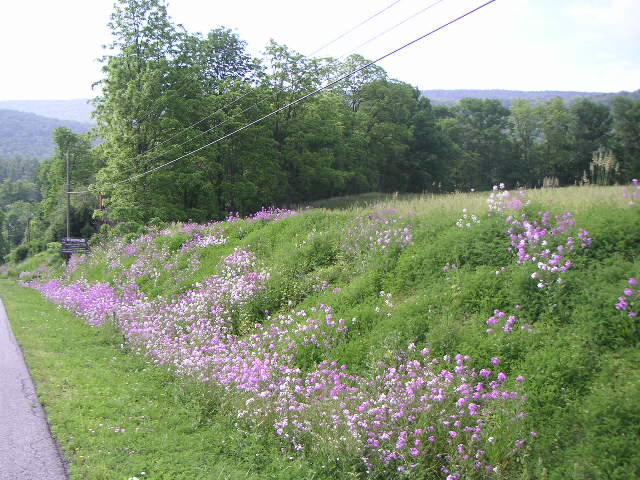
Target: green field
pixel 116 414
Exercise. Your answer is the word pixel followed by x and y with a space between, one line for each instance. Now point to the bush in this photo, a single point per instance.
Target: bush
pixel 19 254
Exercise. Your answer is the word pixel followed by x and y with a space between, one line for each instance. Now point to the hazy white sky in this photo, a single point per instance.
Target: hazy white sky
pixel 48 49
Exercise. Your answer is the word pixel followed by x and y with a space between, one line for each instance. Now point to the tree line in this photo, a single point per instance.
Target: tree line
pixel 166 92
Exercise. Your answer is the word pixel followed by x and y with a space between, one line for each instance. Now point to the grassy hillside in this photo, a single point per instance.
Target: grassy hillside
pixel 29 135
pixel 431 337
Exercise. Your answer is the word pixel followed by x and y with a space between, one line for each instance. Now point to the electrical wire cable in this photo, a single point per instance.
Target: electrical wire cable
pixel 381 34
pixel 304 97
pixel 353 28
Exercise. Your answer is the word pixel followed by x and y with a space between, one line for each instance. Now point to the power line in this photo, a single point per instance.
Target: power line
pixel 410 17
pixel 353 28
pixel 229 104
pixel 304 97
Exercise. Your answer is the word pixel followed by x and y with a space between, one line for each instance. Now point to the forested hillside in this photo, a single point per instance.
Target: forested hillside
pixel 29 135
pixel 77 110
pixel 507 97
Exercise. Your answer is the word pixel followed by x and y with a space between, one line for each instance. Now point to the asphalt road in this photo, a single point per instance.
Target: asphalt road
pixel 27 450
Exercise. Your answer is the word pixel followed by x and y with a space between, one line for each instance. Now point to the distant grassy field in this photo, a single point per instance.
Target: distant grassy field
pixel 447 279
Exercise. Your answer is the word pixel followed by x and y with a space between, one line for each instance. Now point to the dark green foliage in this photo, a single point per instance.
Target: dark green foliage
pixel 20 253
pixel 626 121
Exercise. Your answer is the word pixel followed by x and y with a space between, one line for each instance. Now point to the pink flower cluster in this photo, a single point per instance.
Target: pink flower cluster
pixel 381 230
pixel 272 214
pixel 630 194
pixel 501 200
pixel 412 413
pixel 202 240
pixel 506 323
pixel 96 303
pixel 545 242
pixel 75 261
pixel 630 299
pixel 407 415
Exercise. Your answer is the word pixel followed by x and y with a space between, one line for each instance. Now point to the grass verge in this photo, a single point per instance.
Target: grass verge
pixel 116 418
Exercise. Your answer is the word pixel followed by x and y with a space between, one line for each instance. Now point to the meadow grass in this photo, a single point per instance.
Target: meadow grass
pixel 577 352
pixel 575 198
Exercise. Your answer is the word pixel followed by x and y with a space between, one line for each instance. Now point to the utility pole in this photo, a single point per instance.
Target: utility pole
pixel 68 194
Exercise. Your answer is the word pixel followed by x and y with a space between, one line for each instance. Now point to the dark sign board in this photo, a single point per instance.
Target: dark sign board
pixel 73 245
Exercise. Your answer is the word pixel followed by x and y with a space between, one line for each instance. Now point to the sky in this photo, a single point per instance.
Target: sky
pixel 49 49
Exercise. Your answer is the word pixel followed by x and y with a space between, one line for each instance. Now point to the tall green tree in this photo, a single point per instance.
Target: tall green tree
pixel 558 144
pixel 484 153
pixel 76 151
pixel 390 108
pixel 626 136
pixel 591 131
pixel 132 108
pixel 165 93
pixel 525 128
pixel 351 87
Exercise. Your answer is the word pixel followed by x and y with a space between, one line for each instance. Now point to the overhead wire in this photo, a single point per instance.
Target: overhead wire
pixel 304 97
pixel 340 37
pixel 334 61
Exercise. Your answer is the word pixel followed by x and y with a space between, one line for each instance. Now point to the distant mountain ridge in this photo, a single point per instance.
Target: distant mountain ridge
pixel 26 126
pixel 30 135
pixel 506 97
pixel 78 110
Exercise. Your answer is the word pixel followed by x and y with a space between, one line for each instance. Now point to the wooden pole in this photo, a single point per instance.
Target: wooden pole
pixel 68 194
